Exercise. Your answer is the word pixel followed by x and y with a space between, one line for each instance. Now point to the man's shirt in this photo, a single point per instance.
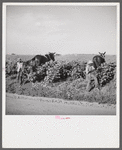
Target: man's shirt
pixel 19 66
pixel 89 68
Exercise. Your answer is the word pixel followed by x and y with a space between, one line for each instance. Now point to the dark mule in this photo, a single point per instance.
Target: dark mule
pixel 98 60
pixel 39 60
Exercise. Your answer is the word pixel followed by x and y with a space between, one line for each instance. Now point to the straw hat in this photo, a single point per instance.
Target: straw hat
pixel 89 62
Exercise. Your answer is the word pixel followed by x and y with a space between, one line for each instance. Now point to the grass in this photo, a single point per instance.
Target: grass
pixel 69 90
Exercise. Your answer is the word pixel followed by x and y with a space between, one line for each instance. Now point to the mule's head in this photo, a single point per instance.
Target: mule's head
pixel 102 54
pixel 52 56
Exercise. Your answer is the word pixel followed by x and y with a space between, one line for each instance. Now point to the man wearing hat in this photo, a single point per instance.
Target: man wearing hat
pixel 19 68
pixel 90 76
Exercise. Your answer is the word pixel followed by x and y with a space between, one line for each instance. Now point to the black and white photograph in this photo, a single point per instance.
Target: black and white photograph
pixel 61 59
pixel 64 57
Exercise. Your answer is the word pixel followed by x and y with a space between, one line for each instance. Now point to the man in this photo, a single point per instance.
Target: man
pixel 90 76
pixel 19 69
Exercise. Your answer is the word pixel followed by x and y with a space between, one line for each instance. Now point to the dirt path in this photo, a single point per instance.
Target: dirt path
pixel 25 105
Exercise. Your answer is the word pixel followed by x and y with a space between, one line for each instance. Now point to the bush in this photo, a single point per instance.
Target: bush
pixel 57 71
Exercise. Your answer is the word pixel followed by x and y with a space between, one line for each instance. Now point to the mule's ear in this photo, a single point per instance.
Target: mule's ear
pixel 104 52
pixel 99 53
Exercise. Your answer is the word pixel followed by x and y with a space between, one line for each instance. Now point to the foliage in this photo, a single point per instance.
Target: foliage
pixel 66 79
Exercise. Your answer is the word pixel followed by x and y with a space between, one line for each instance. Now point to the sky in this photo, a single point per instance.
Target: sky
pixel 61 29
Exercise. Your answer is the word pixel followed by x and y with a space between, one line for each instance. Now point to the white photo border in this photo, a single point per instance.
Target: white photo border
pixel 26 131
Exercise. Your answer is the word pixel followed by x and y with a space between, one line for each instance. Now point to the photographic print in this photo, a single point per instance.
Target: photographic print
pixel 61 60
pixel 50 51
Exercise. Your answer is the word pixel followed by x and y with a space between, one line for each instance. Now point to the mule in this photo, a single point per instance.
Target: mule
pixel 98 60
pixel 39 60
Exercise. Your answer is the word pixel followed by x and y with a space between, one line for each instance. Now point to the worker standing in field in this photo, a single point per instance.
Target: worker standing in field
pixel 19 70
pixel 90 76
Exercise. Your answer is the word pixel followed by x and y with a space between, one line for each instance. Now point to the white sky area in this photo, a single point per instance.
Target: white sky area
pixel 61 29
